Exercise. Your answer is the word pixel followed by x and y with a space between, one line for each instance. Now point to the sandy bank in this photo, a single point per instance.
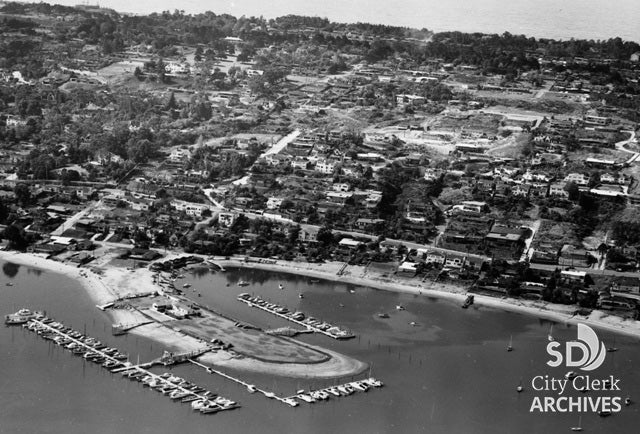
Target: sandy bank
pixel 105 284
pixel 337 366
pixel 360 276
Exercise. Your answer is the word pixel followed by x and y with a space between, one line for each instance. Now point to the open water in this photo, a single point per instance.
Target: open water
pixel 558 19
pixel 449 374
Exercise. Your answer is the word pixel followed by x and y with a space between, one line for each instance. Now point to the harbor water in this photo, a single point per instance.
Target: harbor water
pixel 445 369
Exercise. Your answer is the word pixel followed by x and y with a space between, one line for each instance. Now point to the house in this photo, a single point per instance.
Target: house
pixel 189 208
pixel 505 242
pixel 274 202
pixel 454 262
pixel 433 257
pixel 577 178
pixel 326 167
pixel 367 225
pixel 574 256
pixel 179 155
pixel 474 206
pixel 277 160
pixel 339 197
pixel 521 190
pixel 433 174
pixel 485 186
pixel 626 285
pixel 597 120
pixel 343 186
pixel 609 191
pixel 139 204
pixel 300 163
pixel 557 190
pixel 349 243
pixel 408 268
pixel 308 234
pixel 409 100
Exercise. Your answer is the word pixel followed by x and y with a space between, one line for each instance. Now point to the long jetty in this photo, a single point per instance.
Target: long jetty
pixel 250 387
pixel 256 302
pixel 174 387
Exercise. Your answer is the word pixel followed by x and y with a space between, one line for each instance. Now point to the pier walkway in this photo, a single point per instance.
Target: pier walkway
pixel 250 387
pixel 339 335
pixel 169 384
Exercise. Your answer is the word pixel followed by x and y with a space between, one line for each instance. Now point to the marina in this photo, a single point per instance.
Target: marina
pixel 337 391
pixel 177 388
pixel 296 317
pixel 341 390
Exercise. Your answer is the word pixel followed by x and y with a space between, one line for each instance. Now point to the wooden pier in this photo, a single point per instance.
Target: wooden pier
pixel 343 335
pixel 250 387
pixel 174 387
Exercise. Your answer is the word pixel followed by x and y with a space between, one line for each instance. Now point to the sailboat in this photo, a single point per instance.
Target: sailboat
pixel 612 348
pixel 550 336
pixel 579 426
pixel 510 346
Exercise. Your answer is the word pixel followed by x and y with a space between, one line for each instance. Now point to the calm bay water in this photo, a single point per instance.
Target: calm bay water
pixel 450 374
pixel 565 19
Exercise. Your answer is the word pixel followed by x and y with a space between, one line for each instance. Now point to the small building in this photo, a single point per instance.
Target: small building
pixel 574 256
pixel 408 268
pixel 308 234
pixel 557 190
pixel 349 243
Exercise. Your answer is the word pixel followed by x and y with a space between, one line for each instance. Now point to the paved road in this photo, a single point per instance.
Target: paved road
pixel 587 270
pixel 71 221
pixel 279 146
pixel 620 146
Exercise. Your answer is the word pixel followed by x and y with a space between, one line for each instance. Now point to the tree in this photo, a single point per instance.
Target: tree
pixel 171 104
pixel 325 236
pixel 23 193
pixel 15 235
pixel 573 190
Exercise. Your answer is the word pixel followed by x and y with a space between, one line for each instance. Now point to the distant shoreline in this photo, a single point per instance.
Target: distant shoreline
pixel 546 19
pixel 540 309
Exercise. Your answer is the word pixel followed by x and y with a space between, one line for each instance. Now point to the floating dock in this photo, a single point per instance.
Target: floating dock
pixel 250 387
pixel 296 317
pixel 338 391
pixel 310 397
pixel 110 358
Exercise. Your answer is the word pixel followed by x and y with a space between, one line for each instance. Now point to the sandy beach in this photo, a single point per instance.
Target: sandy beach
pixel 358 275
pixel 105 284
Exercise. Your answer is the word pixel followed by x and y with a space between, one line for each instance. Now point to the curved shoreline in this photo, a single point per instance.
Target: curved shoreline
pixel 540 309
pixel 113 283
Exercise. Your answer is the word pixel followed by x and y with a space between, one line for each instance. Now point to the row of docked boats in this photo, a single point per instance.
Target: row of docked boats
pixel 181 390
pixel 110 358
pixel 87 347
pixel 297 317
pixel 338 391
pixel 22 317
